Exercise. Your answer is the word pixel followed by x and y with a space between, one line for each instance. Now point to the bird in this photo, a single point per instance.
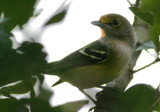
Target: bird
pixel 101 61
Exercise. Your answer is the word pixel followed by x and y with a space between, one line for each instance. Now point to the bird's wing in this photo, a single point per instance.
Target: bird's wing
pixel 93 53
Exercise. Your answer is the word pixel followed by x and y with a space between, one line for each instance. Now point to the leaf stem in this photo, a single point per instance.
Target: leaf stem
pixel 137 3
pixel 129 2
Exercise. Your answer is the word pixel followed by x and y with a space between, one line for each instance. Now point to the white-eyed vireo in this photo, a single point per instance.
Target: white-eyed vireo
pixel 101 61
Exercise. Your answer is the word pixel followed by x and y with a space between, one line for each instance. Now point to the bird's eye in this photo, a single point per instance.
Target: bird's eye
pixel 115 23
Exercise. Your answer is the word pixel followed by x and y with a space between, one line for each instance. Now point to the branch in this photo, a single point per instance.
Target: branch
pixel 129 3
pixel 157 102
pixel 155 61
pixel 137 3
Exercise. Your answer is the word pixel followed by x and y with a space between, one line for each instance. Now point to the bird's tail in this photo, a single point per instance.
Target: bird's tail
pixel 50 69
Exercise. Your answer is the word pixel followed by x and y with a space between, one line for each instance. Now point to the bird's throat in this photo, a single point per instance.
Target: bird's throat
pixel 103 33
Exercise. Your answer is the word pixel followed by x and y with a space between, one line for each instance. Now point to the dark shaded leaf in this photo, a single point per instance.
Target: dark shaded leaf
pixel 18 11
pixel 156 105
pixel 5 41
pixel 37 105
pixel 70 107
pixel 12 105
pixel 108 100
pixel 57 83
pixel 139 98
pixel 19 88
pixel 26 61
pixel 58 15
pixel 41 78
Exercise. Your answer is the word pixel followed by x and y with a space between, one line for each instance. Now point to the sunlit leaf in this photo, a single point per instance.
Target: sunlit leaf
pixel 150 6
pixel 145 16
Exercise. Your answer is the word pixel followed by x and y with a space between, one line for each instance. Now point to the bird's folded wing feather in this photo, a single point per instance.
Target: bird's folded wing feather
pixel 93 53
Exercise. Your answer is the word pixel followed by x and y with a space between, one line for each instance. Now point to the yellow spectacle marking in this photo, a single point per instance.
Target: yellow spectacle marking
pixel 105 19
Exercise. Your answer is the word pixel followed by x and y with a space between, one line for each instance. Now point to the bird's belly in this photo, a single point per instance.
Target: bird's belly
pixel 91 76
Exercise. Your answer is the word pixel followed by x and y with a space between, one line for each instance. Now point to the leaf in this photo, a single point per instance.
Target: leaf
pixel 38 105
pixel 150 6
pixel 155 31
pixel 19 88
pixel 12 105
pixel 57 83
pixel 5 41
pixel 156 105
pixel 145 16
pixel 18 11
pixel 58 15
pixel 157 108
pixel 138 98
pixel 26 61
pixel 70 107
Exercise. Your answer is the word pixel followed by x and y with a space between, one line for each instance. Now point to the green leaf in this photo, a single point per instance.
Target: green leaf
pixel 150 6
pixel 145 16
pixel 19 88
pixel 18 11
pixel 155 31
pixel 156 105
pixel 58 15
pixel 157 108
pixel 28 60
pixel 139 98
pixel 70 107
pixel 12 105
pixel 5 41
pixel 38 105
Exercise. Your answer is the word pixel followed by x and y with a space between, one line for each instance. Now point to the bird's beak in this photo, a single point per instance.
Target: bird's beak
pixel 97 23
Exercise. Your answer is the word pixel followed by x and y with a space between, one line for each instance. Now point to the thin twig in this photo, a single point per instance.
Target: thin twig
pixel 156 103
pixel 129 2
pixel 88 96
pixel 137 3
pixel 147 65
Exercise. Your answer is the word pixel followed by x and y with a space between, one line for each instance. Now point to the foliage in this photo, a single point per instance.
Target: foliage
pixel 21 68
pixel 140 97
pixel 149 12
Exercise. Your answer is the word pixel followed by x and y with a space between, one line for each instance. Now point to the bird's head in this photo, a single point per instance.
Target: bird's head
pixel 115 26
